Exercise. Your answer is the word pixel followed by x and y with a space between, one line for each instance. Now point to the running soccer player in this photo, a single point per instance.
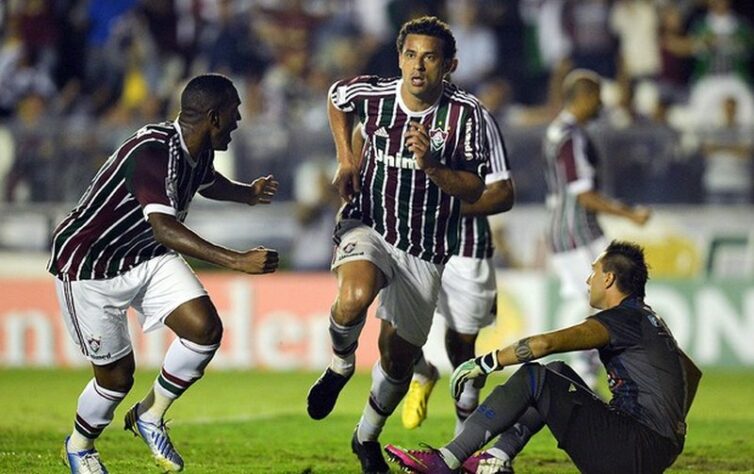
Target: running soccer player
pixel 425 151
pixel 642 429
pixel 469 289
pixel 574 199
pixel 120 247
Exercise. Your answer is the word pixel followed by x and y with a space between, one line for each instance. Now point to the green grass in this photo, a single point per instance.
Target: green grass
pixel 256 422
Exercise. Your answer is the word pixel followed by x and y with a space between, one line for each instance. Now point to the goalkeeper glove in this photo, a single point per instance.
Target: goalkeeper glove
pixel 471 369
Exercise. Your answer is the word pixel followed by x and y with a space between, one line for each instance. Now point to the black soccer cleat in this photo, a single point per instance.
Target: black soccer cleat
pixel 370 456
pixel 324 393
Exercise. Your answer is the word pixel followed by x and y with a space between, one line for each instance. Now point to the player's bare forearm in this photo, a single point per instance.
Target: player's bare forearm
pixel 224 189
pixel 596 202
pixel 497 197
pixel 461 184
pixel 587 335
pixel 260 191
pixel 174 235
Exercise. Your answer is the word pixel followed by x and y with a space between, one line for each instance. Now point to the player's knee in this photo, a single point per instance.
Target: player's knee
pixel 557 366
pixel 353 302
pixel 118 377
pixel 529 373
pixel 566 370
pixel 208 332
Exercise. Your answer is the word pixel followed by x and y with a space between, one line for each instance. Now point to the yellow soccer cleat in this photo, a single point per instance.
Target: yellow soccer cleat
pixel 415 404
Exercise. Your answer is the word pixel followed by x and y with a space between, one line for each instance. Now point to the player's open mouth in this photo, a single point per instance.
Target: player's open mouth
pixel 417 81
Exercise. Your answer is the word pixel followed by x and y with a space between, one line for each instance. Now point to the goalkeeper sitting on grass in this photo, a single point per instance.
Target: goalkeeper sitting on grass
pixel 642 429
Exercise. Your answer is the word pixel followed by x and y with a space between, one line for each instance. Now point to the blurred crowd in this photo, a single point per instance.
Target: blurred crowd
pixel 78 76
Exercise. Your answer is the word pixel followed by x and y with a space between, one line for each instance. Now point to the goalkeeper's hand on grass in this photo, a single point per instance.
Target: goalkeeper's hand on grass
pixel 471 369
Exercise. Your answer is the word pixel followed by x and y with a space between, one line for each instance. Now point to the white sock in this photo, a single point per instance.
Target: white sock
pixel 345 340
pixel 424 371
pixel 184 364
pixel 466 404
pixel 386 393
pixel 499 453
pixel 94 412
pixel 343 365
pixel 450 459
pixel 370 424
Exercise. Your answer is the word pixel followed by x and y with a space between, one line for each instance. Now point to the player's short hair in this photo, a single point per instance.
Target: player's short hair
pixel 578 81
pixel 626 261
pixel 206 92
pixel 429 26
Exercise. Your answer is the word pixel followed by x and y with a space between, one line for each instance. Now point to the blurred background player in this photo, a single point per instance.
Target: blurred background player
pixel 120 247
pixel 642 429
pixel 425 151
pixel 727 149
pixel 469 289
pixel 574 200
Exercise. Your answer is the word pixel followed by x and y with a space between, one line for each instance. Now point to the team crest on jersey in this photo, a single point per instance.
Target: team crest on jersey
pixel 437 138
pixel 94 343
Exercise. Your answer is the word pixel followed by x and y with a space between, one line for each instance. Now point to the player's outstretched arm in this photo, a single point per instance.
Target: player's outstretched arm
pixel 497 197
pixel 589 334
pixel 174 235
pixel 596 202
pixel 260 191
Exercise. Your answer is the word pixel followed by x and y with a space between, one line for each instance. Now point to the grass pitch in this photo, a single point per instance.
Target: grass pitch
pixel 256 422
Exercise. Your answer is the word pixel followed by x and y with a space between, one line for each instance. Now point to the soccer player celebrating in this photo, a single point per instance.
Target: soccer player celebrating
pixel 469 289
pixel 642 429
pixel 120 247
pixel 425 151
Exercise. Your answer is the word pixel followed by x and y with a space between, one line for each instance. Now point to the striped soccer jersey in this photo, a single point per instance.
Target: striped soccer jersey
pixel 572 165
pixel 107 233
pixel 475 234
pixel 397 199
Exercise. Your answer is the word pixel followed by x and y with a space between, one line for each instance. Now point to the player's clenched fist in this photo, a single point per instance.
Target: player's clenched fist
pixel 262 190
pixel 346 179
pixel 258 260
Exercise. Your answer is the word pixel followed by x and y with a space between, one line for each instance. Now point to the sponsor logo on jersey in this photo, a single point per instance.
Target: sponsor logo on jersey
pixel 405 162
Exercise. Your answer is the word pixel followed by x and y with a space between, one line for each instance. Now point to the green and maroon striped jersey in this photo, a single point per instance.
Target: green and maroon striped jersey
pixel 397 199
pixel 572 164
pixel 107 233
pixel 475 234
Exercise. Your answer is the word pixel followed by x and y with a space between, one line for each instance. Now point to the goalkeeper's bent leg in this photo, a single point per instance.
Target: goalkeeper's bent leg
pixel 499 411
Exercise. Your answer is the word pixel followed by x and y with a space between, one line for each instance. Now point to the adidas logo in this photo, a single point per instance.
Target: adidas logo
pixel 571 388
pixel 381 132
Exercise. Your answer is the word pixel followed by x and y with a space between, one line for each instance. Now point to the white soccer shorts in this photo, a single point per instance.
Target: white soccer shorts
pixel 410 295
pixel 574 267
pixel 94 311
pixel 467 295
